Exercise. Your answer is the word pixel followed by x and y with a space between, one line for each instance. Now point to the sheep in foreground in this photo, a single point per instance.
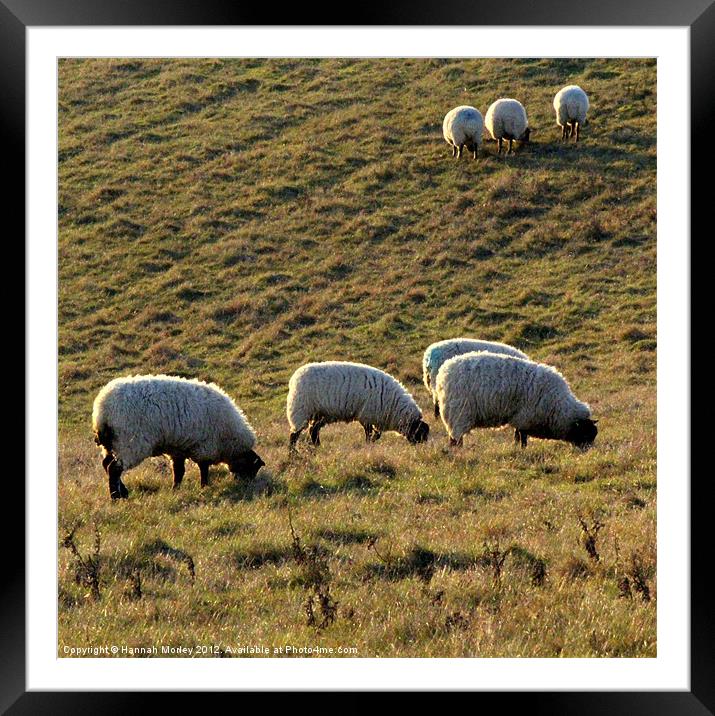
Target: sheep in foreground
pixel 506 119
pixel 486 390
pixel 340 391
pixel 571 105
pixel 437 353
pixel 141 416
pixel 463 127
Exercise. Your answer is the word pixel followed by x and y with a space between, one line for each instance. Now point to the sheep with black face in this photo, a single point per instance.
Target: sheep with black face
pixel 571 105
pixel 462 127
pixel 487 390
pixel 437 353
pixel 141 416
pixel 341 391
pixel 506 119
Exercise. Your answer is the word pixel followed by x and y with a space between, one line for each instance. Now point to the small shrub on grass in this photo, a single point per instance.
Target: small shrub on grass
pixel 87 568
pixel 494 558
pixel 316 578
pixel 589 537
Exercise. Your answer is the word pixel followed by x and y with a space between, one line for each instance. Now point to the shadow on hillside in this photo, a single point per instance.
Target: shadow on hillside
pixel 236 490
pixel 484 493
pixel 261 556
pixel 603 152
pixel 359 482
pixel 155 559
pixel 422 563
pixel 606 157
pixel 346 536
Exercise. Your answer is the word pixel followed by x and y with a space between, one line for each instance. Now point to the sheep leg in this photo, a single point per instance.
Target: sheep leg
pixel 204 470
pixel 456 443
pixel 517 436
pixel 372 434
pixel 578 129
pixel 368 431
pixel 476 151
pixel 454 150
pixel 459 151
pixel 294 439
pixel 522 439
pixel 511 146
pixel 500 145
pixel 106 461
pixel 314 431
pixel 563 132
pixel 116 486
pixel 179 468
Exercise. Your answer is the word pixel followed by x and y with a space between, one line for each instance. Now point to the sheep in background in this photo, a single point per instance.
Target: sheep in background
pixel 463 127
pixel 506 119
pixel 437 353
pixel 571 105
pixel 486 390
pixel 141 416
pixel 340 391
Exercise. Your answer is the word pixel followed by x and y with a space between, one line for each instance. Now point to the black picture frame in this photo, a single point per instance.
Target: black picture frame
pixel 698 15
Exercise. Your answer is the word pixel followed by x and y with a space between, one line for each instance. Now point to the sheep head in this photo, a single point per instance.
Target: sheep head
pixel 246 465
pixel 582 433
pixel 418 431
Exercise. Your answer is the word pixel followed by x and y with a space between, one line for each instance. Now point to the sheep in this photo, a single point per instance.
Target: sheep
pixel 506 119
pixel 463 126
pixel 141 416
pixel 571 105
pixel 483 390
pixel 340 391
pixel 437 353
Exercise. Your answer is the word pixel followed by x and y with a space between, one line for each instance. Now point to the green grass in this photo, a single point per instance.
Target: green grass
pixel 233 219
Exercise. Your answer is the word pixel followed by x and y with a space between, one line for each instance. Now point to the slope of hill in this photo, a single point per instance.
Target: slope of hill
pixel 233 219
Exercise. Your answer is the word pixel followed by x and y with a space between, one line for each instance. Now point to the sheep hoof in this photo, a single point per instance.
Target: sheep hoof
pixel 120 493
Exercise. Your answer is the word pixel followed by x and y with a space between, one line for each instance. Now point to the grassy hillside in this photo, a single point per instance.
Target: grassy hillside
pixel 233 219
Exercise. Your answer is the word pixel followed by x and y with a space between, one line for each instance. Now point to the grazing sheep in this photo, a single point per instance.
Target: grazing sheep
pixel 486 390
pixel 571 105
pixel 506 119
pixel 339 391
pixel 146 415
pixel 463 127
pixel 439 352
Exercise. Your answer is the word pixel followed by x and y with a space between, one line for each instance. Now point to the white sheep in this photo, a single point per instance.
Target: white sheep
pixel 140 416
pixel 340 391
pixel 486 390
pixel 506 119
pixel 463 127
pixel 571 105
pixel 437 353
